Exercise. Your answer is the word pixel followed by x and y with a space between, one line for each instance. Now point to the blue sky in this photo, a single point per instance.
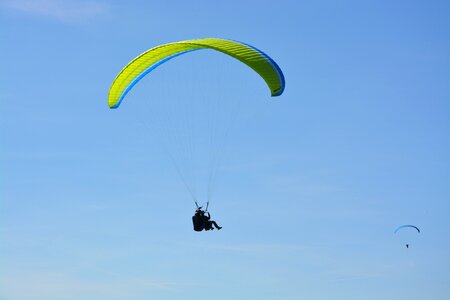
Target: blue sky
pixel 314 183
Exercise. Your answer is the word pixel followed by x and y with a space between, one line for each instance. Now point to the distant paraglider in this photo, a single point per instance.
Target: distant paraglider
pixel 405 227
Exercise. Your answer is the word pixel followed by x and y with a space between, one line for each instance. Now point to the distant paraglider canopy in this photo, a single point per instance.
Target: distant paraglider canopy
pixel 406 226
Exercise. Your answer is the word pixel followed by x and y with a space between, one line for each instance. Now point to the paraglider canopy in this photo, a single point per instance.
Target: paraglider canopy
pixel 406 226
pixel 136 69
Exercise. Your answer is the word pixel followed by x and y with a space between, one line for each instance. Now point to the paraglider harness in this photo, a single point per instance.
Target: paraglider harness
pixel 199 220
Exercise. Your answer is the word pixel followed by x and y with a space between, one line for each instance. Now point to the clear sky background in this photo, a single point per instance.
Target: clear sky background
pixel 318 179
